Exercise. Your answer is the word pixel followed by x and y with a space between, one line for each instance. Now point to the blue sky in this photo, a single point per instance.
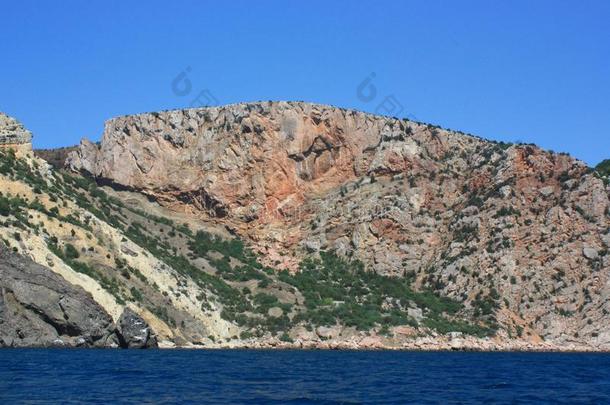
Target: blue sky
pixel 534 71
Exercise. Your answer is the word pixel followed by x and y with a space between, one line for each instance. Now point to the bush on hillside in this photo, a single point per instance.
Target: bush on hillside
pixel 5 207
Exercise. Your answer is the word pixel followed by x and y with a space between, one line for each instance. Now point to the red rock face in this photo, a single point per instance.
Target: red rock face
pixel 464 215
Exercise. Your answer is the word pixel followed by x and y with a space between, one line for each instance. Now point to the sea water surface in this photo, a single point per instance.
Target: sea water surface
pixel 300 377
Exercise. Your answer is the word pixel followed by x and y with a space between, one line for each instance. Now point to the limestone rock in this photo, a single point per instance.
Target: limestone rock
pixel 328 332
pixel 547 191
pixel 14 135
pixel 415 313
pixel 301 333
pixel 590 253
pixel 12 132
pixel 275 312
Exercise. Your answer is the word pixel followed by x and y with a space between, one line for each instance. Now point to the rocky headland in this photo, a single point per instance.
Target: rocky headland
pixel 280 224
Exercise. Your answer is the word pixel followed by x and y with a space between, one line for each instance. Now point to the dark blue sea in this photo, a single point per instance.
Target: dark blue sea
pixel 300 377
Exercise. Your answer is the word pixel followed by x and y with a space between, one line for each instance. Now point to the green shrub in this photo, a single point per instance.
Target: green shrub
pixel 246 335
pixel 71 252
pixel 5 207
pixel 136 294
pixel 603 168
pixel 507 211
pixel 336 290
pixel 264 302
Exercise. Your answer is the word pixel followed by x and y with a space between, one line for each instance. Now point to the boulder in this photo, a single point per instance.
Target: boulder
pixel 590 253
pixel 547 191
pixel 606 239
pixel 134 332
pixel 328 332
pixel 415 313
pixel 302 334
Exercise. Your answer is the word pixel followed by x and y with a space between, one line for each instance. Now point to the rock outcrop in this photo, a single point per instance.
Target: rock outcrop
pixel 507 229
pixel 55 157
pixel 40 308
pixel 14 135
pixel 134 332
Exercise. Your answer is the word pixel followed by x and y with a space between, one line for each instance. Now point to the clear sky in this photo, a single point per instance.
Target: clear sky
pixel 533 71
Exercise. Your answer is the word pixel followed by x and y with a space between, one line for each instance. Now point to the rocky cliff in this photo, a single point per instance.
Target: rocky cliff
pixel 14 135
pixel 509 230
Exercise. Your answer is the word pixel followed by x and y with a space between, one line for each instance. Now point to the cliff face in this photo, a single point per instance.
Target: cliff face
pixel 509 229
pixel 274 170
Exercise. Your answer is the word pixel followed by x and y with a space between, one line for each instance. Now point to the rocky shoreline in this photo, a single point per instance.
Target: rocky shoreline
pixel 347 346
pixel 470 344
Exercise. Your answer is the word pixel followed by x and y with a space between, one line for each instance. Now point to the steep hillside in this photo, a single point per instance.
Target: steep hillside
pixel 68 224
pixel 516 234
pixel 193 282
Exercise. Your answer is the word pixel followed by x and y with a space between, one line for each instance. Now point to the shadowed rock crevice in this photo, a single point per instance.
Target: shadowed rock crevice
pixel 204 202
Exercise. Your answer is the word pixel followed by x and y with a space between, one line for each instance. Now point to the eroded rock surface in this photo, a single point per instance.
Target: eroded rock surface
pixel 14 135
pixel 12 131
pixel 134 332
pixel 478 221
pixel 40 308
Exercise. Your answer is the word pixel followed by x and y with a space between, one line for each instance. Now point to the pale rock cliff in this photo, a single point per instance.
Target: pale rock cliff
pixel 14 135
